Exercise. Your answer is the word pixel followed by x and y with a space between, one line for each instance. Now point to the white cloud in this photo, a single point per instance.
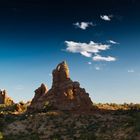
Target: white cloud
pixel 86 54
pixel 112 42
pixel 90 49
pixel 89 63
pixel 97 68
pixel 83 25
pixel 131 71
pixel 106 17
pixel 101 58
pixel 86 49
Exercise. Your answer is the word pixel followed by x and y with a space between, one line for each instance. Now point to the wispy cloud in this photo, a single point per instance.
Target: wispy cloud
pixel 130 71
pixel 112 42
pixel 83 25
pixel 85 49
pixel 89 63
pixel 19 87
pixel 100 66
pixel 106 17
pixel 97 68
pixel 101 58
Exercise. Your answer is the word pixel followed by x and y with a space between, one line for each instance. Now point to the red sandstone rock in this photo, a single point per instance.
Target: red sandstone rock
pixel 4 99
pixel 64 94
pixel 39 95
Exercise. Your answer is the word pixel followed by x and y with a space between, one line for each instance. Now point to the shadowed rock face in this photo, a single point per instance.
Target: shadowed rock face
pixel 39 97
pixel 4 99
pixel 64 94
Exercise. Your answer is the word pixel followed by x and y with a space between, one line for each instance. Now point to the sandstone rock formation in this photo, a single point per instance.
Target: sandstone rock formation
pixel 21 107
pixel 64 94
pixel 39 97
pixel 4 99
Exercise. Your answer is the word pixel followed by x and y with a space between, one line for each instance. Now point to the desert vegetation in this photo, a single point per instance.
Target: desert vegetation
pixel 118 122
pixel 66 112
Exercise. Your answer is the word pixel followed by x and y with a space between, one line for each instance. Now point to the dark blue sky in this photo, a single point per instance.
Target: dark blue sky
pixel 32 43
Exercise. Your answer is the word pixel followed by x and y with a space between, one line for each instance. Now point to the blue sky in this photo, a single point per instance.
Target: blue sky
pixel 33 39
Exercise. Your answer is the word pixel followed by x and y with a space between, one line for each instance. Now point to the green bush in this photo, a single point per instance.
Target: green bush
pixel 48 107
pixel 1 136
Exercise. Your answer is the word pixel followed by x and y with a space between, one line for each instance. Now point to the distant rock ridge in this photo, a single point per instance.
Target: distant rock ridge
pixel 4 99
pixel 65 95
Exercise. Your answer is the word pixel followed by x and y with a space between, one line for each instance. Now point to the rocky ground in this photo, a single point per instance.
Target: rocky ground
pixel 103 124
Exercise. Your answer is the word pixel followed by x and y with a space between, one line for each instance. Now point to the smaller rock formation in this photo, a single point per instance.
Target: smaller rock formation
pixel 39 94
pixel 4 99
pixel 21 107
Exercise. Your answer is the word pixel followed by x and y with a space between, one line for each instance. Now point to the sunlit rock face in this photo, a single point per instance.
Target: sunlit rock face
pixel 60 74
pixel 4 99
pixel 65 95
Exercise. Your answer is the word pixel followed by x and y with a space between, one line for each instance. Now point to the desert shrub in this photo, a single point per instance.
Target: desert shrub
pixel 56 137
pixel 22 117
pixel 2 106
pixel 133 121
pixel 10 118
pixel 1 135
pixel 2 123
pixel 136 121
pixel 48 107
pixel 87 136
pixel 31 136
pixel 7 108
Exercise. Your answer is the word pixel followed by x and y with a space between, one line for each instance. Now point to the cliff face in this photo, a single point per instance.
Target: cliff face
pixel 4 99
pixel 64 94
